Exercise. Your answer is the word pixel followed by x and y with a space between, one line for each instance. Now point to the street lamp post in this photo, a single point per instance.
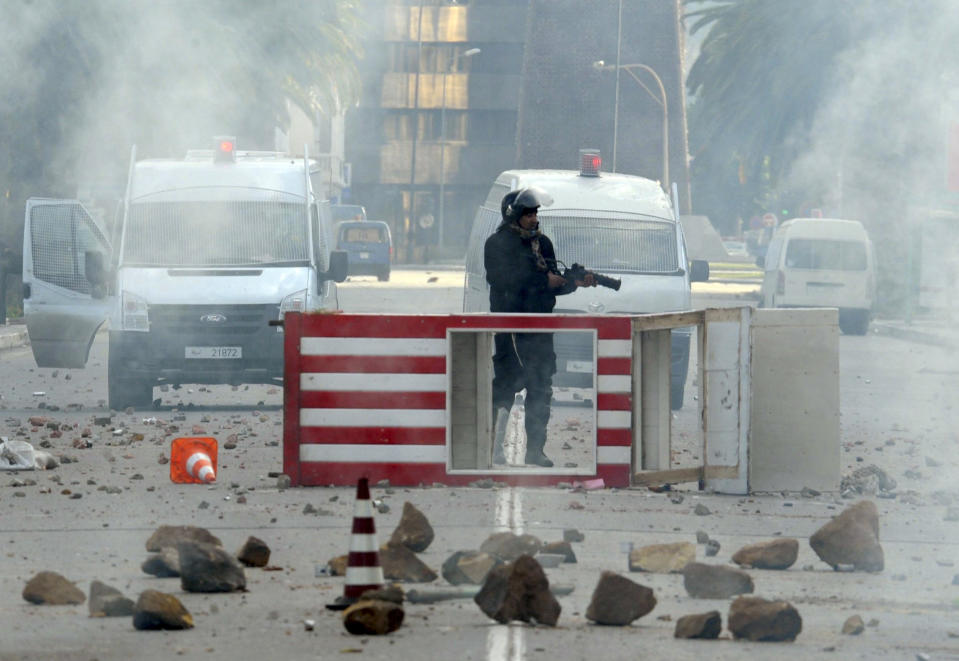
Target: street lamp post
pixel 661 100
pixel 442 220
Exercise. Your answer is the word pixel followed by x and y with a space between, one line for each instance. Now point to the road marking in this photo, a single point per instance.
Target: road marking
pixel 507 642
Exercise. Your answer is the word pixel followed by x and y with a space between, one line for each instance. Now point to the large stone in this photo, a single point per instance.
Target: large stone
pixel 52 589
pixel 755 618
pixel 107 601
pixel 171 536
pixel 209 568
pixel 254 553
pixel 853 626
pixel 852 538
pixel 662 558
pixel 699 625
pixel 338 565
pixel 401 564
pixel 414 530
pixel 774 554
pixel 564 549
pixel 518 591
pixel 468 567
pixel 373 617
pixel 509 546
pixel 715 581
pixel 618 601
pixel 165 564
pixel 159 610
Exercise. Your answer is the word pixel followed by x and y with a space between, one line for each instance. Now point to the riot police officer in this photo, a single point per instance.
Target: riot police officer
pixel 521 271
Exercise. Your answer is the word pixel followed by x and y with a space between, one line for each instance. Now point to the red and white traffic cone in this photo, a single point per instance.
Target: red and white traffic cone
pixel 193 460
pixel 363 570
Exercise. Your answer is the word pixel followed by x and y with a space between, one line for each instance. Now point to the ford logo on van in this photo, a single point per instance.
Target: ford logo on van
pixel 213 319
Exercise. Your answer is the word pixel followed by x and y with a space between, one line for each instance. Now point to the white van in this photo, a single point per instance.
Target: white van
pixel 618 225
pixel 206 252
pixel 822 262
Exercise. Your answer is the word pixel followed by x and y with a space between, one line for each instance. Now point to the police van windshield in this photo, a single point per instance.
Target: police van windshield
pixel 624 245
pixel 217 233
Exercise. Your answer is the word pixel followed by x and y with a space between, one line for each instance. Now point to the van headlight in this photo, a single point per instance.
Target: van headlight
pixel 295 302
pixel 136 313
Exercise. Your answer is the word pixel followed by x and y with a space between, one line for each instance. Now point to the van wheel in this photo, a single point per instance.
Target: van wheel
pixel 124 392
pixel 384 275
pixel 854 322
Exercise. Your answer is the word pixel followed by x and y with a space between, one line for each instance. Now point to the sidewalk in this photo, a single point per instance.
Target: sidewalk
pixel 927 331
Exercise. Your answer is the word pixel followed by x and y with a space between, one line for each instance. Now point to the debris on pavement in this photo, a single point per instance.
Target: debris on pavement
pixel 773 554
pixel 373 617
pixel 401 564
pixel 853 626
pixel 852 538
pixel 662 558
pixel 706 626
pixel 209 568
pixel 159 610
pixel 704 581
pixel 414 530
pixel 107 601
pixel 468 567
pixel 52 589
pixel 758 619
pixel 509 546
pixel 254 552
pixel 16 455
pixel 618 601
pixel 518 590
pixel 171 536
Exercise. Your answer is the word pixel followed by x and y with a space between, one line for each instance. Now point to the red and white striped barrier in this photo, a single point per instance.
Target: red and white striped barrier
pixel 368 396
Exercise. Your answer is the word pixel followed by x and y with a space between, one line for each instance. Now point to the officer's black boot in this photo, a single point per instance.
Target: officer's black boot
pixel 534 449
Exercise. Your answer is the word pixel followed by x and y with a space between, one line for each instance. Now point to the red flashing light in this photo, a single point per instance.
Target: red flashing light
pixel 590 162
pixel 225 151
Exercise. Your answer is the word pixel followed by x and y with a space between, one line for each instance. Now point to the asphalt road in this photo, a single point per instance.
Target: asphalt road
pixel 898 412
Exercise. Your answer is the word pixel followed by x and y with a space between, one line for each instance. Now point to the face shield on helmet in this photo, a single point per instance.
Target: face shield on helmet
pixel 525 199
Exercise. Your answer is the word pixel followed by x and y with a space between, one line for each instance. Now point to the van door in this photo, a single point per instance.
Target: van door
pixel 62 307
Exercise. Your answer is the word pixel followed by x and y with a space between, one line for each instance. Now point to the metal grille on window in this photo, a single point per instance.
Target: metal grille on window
pixel 617 242
pixel 61 234
pixel 216 233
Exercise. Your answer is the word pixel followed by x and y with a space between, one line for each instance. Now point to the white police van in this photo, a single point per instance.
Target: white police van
pixel 205 253
pixel 618 225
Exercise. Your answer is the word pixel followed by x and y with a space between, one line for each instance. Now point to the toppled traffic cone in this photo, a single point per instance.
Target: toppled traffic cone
pixel 193 460
pixel 363 570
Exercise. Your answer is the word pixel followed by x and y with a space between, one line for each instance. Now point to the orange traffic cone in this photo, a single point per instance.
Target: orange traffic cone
pixel 363 570
pixel 193 460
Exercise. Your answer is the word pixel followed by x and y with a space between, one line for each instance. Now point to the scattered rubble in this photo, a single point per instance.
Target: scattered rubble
pixel 510 546
pixel 518 590
pixel 573 535
pixel 758 619
pixel 867 480
pixel 715 581
pixel 171 536
pixel 619 601
pixel 853 626
pixel 106 601
pixel 662 558
pixel 852 538
pixel 774 554
pixel 165 564
pixel 254 553
pixel 468 567
pixel 208 568
pixel 414 530
pixel 699 625
pixel 373 617
pixel 401 564
pixel 564 549
pixel 159 610
pixel 52 589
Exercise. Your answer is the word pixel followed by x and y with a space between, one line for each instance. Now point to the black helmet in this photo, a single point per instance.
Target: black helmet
pixel 523 200
pixel 507 201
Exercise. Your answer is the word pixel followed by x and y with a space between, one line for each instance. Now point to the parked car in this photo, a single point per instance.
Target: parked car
pixel 368 246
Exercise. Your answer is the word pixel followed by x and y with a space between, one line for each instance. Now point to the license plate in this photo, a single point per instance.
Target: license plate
pixel 364 255
pixel 214 352
pixel 579 366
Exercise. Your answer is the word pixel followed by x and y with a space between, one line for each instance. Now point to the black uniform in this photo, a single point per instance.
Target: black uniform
pixel 518 283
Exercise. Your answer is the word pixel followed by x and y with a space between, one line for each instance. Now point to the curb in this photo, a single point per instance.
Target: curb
pixel 915 335
pixel 13 339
